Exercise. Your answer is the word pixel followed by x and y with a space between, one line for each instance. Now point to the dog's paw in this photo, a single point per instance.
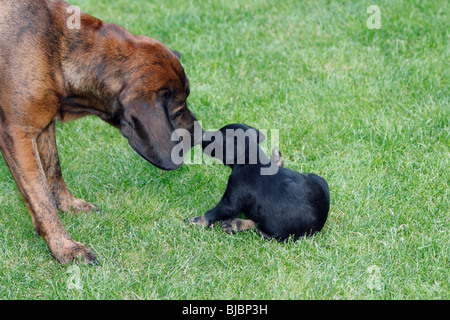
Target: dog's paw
pixel 229 226
pixel 198 220
pixel 76 205
pixel 232 226
pixel 68 250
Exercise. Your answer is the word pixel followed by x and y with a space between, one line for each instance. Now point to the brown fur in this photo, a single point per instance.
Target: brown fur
pixel 50 73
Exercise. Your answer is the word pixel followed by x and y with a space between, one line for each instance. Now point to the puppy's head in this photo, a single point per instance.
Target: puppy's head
pixel 233 144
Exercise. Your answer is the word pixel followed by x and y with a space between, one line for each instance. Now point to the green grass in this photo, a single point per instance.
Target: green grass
pixel 366 109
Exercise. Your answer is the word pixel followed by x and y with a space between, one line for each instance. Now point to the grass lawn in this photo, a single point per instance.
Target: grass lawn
pixel 368 109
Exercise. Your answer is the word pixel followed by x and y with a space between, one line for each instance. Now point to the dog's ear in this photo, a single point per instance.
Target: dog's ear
pixel 146 125
pixel 177 54
pixel 241 144
pixel 276 157
pixel 259 136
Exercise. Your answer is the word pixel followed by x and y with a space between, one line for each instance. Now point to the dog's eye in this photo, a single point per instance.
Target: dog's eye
pixel 166 94
pixel 177 114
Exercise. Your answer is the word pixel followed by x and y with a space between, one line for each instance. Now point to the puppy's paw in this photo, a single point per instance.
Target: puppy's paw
pixel 232 226
pixel 198 220
pixel 229 226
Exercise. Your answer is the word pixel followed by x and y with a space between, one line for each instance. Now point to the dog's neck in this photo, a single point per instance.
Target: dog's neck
pixel 91 66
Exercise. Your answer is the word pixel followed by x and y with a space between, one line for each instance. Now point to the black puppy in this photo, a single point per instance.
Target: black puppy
pixel 278 201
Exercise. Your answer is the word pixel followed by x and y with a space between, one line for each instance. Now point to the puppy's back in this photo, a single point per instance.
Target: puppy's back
pixel 298 204
pixel 320 197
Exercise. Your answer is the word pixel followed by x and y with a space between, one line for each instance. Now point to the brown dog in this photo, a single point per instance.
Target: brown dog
pixel 50 72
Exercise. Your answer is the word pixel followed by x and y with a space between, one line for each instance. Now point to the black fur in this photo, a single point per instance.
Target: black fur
pixel 284 204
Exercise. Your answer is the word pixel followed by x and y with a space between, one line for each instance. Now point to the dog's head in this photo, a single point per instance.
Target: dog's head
pixel 154 103
pixel 234 144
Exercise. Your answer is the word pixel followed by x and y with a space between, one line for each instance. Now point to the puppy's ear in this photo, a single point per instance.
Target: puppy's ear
pixel 241 144
pixel 276 157
pixel 260 137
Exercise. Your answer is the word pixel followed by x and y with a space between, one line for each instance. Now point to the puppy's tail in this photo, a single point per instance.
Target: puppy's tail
pixel 276 157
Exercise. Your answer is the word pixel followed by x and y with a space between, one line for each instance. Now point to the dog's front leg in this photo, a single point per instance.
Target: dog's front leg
pixel 225 209
pixel 19 148
pixel 48 153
